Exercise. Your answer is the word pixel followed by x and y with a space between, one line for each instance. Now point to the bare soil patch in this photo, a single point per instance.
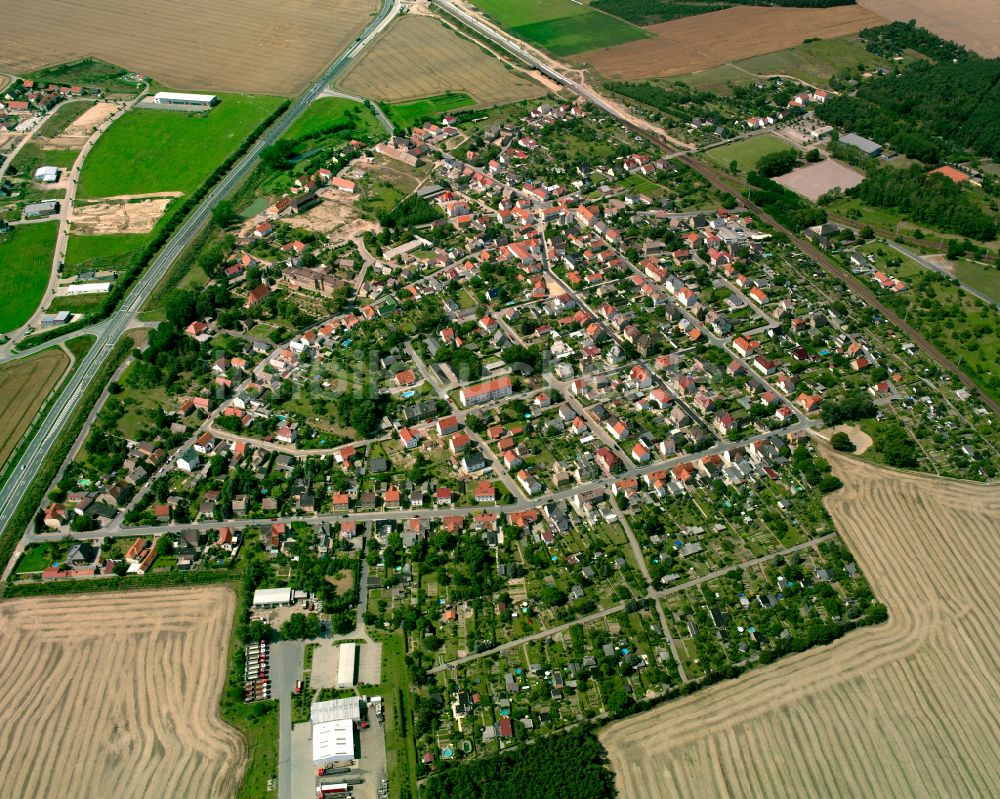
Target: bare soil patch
pixel 859 438
pixel 24 385
pixel 333 215
pixel 814 180
pixel 695 43
pixel 908 708
pixel 974 23
pixel 117 694
pixel 228 45
pixel 85 124
pixel 419 57
pixel 114 215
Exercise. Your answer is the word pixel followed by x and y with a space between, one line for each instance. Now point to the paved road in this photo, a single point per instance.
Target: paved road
pixel 286 668
pixel 29 465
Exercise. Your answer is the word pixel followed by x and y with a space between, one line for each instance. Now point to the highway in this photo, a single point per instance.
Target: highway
pixel 109 331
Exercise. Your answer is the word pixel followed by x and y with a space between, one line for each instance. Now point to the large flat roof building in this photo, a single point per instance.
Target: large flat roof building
pixel 346 709
pixel 333 741
pixel 181 98
pixel 37 210
pixel 272 597
pixel 346 664
pixel 867 146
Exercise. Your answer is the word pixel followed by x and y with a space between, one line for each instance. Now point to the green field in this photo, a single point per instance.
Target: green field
pixel 32 156
pixel 328 111
pixel 25 265
pixel 815 62
pixel 147 151
pixel 63 116
pixel 746 153
pixel 88 72
pixel 980 276
pixel 562 27
pixel 100 252
pixel 406 115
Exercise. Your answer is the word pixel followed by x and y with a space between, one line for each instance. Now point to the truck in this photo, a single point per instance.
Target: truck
pixel 326 772
pixel 298 687
pixel 332 789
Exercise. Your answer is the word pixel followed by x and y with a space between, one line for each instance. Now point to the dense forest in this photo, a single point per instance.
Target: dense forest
pixel 931 199
pixel 783 204
pixel 928 108
pixel 650 12
pixel 893 39
pixel 571 764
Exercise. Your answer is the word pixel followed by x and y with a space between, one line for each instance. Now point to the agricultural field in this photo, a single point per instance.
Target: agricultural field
pixel 814 62
pixel 189 43
pixel 157 661
pixel 812 181
pixel 99 252
pixel 721 37
pixel 563 27
pixel 746 153
pixel 974 23
pixel 25 264
pixel 903 709
pixel 26 383
pixel 149 151
pixel 418 57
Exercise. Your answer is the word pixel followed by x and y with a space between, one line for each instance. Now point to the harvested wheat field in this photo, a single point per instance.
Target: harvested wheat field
pixel 24 385
pixel 695 43
pixel 419 57
pixel 908 708
pixel 974 23
pixel 117 695
pixel 188 44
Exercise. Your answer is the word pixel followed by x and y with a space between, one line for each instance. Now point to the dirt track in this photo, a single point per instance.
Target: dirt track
pixel 116 695
pixel 908 708
pixel 694 43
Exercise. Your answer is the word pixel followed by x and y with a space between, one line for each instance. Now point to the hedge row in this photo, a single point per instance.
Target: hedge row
pixel 89 585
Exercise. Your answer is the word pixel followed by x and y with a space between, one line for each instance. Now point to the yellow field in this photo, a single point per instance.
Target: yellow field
pixel 24 385
pixel 419 57
pixel 251 46
pixel 117 695
pixel 909 708
pixel 974 23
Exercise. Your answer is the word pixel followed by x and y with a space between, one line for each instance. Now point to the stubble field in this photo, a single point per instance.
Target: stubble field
pixel 117 694
pixel 419 57
pixel 227 45
pixel 908 708
pixel 720 37
pixel 974 23
pixel 24 385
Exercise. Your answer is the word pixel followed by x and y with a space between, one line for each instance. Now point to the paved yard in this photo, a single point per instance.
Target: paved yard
pixel 370 664
pixel 325 661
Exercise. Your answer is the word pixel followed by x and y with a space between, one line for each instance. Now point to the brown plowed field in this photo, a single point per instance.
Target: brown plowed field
pixel 24 385
pixel 974 23
pixel 251 46
pixel 707 40
pixel 419 57
pixel 117 695
pixel 908 708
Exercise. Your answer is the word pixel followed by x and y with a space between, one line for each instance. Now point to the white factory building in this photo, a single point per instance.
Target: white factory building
pixel 47 174
pixel 346 664
pixel 272 597
pixel 181 98
pixel 333 730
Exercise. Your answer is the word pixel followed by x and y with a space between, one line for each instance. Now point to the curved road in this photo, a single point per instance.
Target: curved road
pixel 109 331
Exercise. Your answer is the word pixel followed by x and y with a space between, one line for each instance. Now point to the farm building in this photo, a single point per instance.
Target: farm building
pixel 183 99
pixel 346 665
pixel 272 597
pixel 333 741
pixel 346 709
pixel 867 146
pixel 47 174
pixel 38 210
pixel 75 289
